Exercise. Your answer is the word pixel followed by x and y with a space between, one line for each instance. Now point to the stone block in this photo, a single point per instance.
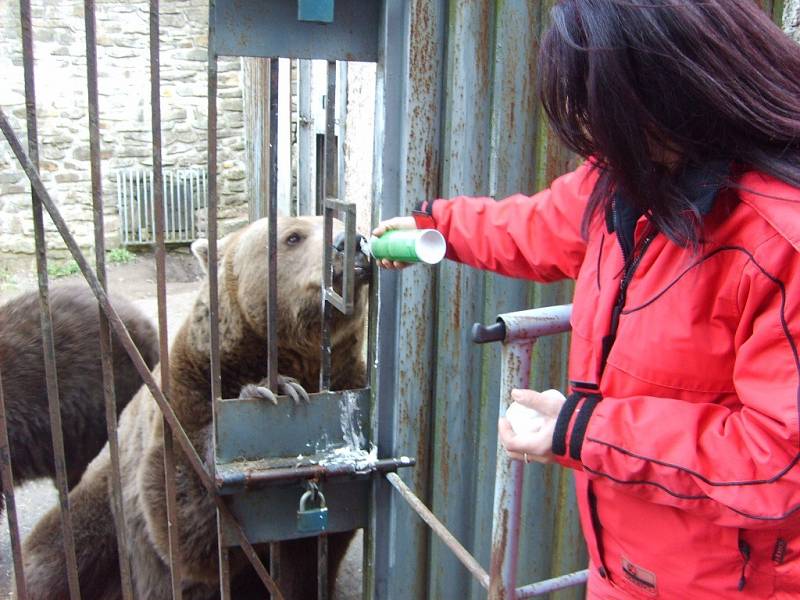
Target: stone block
pixel 232 104
pixel 8 177
pixel 68 177
pixel 236 173
pixel 195 54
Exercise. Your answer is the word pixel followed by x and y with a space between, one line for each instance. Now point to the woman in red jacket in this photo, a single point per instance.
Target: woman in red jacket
pixel 682 231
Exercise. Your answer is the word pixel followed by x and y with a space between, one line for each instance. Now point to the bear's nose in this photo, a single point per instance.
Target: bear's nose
pixel 338 242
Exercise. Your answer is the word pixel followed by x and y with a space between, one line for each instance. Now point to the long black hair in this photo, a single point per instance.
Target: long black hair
pixel 630 82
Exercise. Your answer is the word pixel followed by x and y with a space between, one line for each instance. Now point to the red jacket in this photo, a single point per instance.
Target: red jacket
pixel 685 437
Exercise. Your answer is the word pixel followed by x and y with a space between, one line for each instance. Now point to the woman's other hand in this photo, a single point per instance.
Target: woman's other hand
pixel 538 445
pixel 389 225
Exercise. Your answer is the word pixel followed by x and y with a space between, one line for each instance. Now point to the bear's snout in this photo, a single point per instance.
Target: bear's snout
pixel 362 264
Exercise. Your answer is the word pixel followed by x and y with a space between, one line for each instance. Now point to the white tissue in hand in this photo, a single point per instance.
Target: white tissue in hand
pixel 526 420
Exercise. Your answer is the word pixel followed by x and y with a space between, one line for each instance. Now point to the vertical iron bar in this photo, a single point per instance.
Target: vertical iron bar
pixel 185 184
pixel 48 346
pixel 11 506
pixel 190 222
pixel 129 195
pixel 174 213
pixel 272 215
pixel 305 140
pixel 213 283
pixel 341 125
pixel 329 187
pixel 136 214
pixel 224 568
pixel 272 266
pixel 331 161
pixel 151 203
pixel 275 562
pixel 160 255
pixel 144 201
pixel 169 199
pixel 136 199
pixel 148 196
pixel 516 363
pixel 119 208
pixel 322 567
pixel 100 267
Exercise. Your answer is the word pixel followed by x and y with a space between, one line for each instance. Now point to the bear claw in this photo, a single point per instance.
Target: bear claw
pixel 287 386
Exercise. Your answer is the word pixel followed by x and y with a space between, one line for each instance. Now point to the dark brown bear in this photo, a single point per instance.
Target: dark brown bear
pixel 243 347
pixel 76 334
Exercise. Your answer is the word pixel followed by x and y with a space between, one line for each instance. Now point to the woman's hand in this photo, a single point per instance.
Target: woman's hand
pixel 538 445
pixel 391 224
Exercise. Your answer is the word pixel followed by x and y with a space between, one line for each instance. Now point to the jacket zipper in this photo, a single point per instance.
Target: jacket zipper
pixel 744 549
pixel 631 263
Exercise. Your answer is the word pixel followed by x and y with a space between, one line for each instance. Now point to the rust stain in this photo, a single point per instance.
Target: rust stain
pixel 498 557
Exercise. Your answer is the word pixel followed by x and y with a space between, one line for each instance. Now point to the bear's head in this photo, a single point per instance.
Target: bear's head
pixel 243 275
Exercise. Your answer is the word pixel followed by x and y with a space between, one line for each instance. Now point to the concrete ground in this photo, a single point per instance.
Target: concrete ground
pixel 136 281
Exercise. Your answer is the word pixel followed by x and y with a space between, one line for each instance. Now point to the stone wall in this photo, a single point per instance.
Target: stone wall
pixel 791 18
pixel 124 98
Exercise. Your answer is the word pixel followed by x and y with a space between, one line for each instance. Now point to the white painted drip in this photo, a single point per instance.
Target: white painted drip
pixel 353 451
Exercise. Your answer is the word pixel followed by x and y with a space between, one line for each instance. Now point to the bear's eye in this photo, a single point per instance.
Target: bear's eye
pixel 293 239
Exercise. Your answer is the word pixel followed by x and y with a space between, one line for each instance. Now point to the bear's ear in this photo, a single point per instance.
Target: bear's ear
pixel 200 251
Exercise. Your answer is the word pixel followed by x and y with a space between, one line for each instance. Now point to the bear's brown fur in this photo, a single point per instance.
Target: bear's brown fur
pixel 76 333
pixel 242 323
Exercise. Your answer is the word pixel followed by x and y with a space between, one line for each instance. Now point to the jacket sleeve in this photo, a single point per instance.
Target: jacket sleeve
pixel 533 237
pixel 733 464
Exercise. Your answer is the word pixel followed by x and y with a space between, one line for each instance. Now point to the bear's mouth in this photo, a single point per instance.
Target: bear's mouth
pixel 361 272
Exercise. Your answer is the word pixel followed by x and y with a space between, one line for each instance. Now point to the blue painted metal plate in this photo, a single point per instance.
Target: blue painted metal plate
pixel 320 11
pixel 270 28
pixel 252 430
pixel 270 514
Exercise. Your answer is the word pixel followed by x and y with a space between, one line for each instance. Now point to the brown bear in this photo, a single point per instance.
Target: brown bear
pixel 76 333
pixel 243 347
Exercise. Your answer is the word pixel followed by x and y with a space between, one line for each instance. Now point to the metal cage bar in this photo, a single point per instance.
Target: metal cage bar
pixel 54 405
pixel 10 504
pixel 272 258
pixel 272 228
pixel 213 287
pixel 329 179
pixel 161 291
pixel 126 582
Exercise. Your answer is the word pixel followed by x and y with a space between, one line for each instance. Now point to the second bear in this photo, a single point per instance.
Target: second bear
pixel 76 332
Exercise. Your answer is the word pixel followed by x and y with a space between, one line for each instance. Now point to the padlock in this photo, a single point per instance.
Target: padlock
pixel 313 520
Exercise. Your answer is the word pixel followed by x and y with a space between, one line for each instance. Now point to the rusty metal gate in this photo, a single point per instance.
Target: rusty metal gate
pixel 456 112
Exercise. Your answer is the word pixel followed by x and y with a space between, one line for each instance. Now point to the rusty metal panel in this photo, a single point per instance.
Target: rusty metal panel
pixel 406 415
pixel 494 142
pixel 458 430
pixel 514 126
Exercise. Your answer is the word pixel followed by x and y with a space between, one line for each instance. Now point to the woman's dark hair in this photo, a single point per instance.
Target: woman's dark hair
pixel 630 82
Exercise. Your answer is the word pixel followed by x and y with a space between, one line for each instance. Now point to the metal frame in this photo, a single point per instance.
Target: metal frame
pixel 518 332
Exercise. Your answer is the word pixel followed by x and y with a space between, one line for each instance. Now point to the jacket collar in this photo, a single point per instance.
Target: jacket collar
pixel 776 202
pixel 700 183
